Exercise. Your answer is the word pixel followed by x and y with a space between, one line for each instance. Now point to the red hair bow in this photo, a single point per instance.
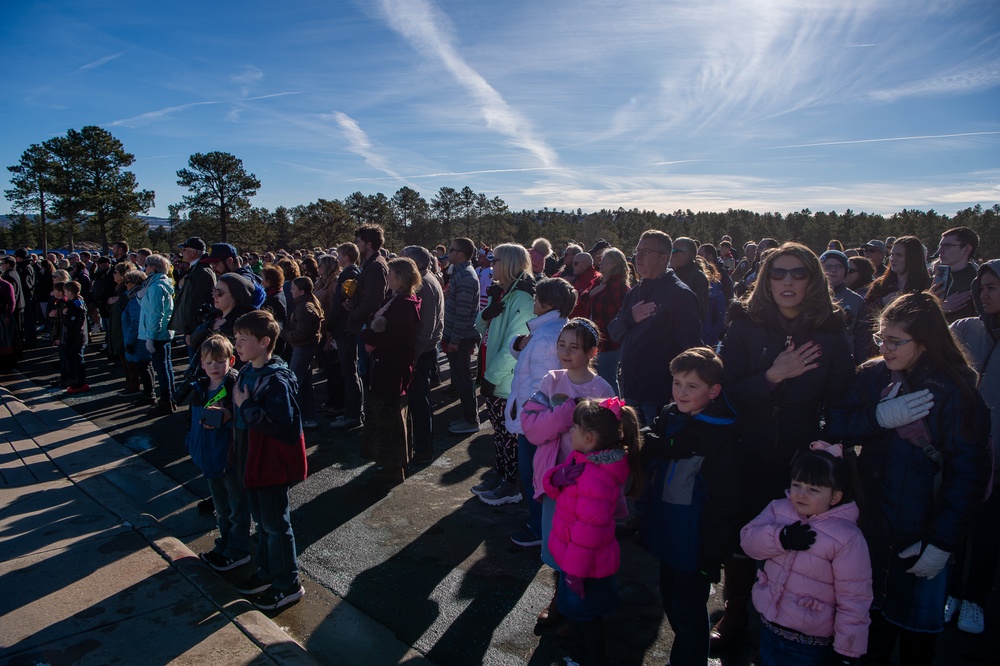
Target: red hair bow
pixel 615 404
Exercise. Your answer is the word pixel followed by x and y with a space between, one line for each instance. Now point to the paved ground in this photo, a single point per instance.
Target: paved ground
pixel 424 573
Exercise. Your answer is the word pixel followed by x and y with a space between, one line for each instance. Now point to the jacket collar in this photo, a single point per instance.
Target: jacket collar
pixel 542 320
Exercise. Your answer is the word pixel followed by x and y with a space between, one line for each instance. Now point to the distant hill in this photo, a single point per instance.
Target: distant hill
pixel 153 222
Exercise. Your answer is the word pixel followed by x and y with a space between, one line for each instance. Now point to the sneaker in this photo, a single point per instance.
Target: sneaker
pixel 130 393
pixel 970 618
pixel 344 423
pixel 78 389
pixel 463 428
pixel 220 562
pixel 273 599
pixel 505 493
pixel 525 538
pixel 491 481
pixel 951 605
pixel 310 425
pixel 252 585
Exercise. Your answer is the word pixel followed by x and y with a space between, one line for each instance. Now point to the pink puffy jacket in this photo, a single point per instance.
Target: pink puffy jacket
pixel 582 540
pixel 824 591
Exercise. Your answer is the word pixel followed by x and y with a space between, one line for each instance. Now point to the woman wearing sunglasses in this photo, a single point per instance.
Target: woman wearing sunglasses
pixel 924 467
pixel 787 362
pixel 232 298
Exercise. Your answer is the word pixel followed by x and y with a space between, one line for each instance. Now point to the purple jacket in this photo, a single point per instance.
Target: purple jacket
pixel 582 540
pixel 824 591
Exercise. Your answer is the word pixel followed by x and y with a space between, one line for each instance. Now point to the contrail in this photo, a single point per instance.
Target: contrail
pixel 894 138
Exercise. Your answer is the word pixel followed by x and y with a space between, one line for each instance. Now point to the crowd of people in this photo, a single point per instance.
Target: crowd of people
pixel 816 425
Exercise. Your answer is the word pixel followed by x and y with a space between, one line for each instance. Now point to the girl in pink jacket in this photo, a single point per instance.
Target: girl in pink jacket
pixel 586 489
pixel 815 589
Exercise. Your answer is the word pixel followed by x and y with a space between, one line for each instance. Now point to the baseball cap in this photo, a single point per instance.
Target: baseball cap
pixel 875 243
pixel 221 252
pixel 194 243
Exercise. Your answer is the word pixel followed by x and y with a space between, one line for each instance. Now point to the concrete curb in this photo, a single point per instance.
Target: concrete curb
pixel 261 630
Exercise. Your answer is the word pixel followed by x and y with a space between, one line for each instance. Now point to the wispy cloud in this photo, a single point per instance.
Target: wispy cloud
pixel 428 31
pixel 964 80
pixel 359 144
pixel 452 174
pixel 160 114
pixel 249 76
pixel 102 61
pixel 890 138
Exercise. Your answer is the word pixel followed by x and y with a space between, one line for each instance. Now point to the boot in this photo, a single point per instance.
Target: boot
pixel 741 573
pixel 163 408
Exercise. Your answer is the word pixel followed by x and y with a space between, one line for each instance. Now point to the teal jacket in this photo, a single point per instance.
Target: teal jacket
pixel 156 299
pixel 518 309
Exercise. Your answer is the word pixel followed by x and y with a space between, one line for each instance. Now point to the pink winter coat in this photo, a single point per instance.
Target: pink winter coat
pixel 547 426
pixel 582 540
pixel 824 591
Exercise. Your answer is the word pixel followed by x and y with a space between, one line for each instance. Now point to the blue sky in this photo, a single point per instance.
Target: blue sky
pixel 657 104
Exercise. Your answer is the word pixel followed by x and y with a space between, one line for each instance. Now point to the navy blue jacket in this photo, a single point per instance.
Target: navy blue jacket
pixel 689 511
pixel 211 450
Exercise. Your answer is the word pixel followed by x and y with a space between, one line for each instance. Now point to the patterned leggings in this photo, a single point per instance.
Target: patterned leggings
pixel 504 443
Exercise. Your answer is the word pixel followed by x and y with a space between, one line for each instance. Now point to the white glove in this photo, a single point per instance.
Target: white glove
pixel 931 562
pixel 150 347
pixel 893 412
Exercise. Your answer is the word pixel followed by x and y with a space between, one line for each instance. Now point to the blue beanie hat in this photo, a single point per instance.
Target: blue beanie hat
pixel 838 255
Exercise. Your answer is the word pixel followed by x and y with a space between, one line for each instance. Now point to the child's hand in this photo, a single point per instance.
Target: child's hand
pixel 240 393
pixel 566 475
pixel 797 536
pixel 575 584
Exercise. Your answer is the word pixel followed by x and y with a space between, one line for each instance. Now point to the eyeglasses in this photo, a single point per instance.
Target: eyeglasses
pixel 891 345
pixel 218 293
pixel 798 274
pixel 452 249
pixel 677 250
pixel 645 251
pixel 947 245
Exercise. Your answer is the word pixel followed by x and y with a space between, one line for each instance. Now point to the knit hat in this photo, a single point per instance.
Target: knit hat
pixel 838 255
pixel 240 287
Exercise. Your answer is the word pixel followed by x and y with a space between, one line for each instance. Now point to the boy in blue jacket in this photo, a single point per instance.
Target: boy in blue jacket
pixel 209 442
pixel 74 339
pixel 270 456
pixel 689 514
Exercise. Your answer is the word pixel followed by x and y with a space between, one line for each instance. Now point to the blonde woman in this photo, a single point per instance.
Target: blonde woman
pixel 601 304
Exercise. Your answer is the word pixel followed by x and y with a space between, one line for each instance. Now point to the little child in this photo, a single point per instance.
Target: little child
pixel 690 512
pixel 57 312
pixel 210 445
pixel 815 589
pixel 270 456
pixel 73 340
pixel 588 489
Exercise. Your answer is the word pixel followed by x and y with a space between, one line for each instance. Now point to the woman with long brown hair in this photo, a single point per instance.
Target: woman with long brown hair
pixel 907 273
pixel 301 333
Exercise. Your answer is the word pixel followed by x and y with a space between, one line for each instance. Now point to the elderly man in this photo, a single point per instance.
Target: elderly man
pixel 585 275
pixel 427 341
pixel 875 252
pixel 195 292
pixel 658 320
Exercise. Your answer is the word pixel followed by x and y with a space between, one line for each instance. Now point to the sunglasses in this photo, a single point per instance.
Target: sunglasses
pixel 218 293
pixel 798 274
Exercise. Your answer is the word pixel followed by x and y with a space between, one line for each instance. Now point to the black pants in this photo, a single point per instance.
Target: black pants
pixel 421 415
pixel 982 550
pixel 347 352
pixel 915 648
pixel 685 603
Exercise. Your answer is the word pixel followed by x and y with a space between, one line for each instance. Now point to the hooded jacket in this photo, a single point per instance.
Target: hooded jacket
pixel 690 509
pixel 273 450
pixel 823 591
pixel 582 540
pixel 518 310
pixel 977 335
pixel 211 449
pixel 531 364
pixel 157 305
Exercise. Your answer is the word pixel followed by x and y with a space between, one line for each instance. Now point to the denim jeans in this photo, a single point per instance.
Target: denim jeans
pixel 461 378
pixel 347 353
pixel 233 514
pixel 275 541
pixel 526 468
pixel 301 365
pixel 419 397
pixel 685 603
pixel 607 367
pixel 778 651
pixel 163 367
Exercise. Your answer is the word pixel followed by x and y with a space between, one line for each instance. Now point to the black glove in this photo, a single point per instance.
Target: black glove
pixel 130 348
pixel 494 291
pixel 840 660
pixel 797 536
pixel 495 307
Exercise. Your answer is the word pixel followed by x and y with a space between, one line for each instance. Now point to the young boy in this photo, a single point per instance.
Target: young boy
pixel 270 456
pixel 209 443
pixel 74 339
pixel 57 312
pixel 689 512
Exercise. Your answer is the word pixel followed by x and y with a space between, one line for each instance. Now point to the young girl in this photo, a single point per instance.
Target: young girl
pixel 924 467
pixel 815 589
pixel 587 490
pixel 547 418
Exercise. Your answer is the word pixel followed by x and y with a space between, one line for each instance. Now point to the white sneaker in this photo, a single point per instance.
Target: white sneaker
pixel 951 605
pixel 970 618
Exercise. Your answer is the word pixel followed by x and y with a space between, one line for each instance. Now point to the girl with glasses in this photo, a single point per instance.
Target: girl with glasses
pixel 924 467
pixel 786 361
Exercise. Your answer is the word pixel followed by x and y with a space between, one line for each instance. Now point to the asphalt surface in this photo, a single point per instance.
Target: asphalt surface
pixel 425 573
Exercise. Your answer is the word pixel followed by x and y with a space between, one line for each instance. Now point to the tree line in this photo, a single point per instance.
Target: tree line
pixel 76 188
